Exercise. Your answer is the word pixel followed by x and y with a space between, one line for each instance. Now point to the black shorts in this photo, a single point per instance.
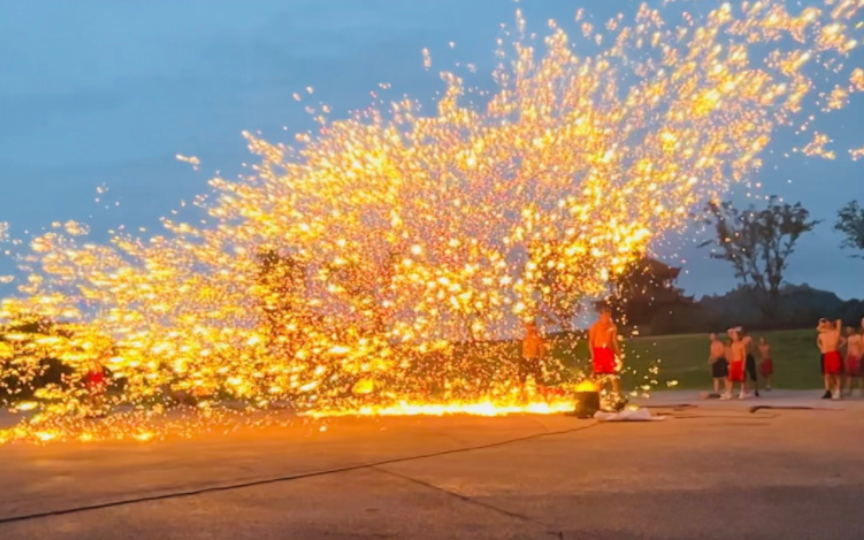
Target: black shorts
pixel 750 367
pixel 720 368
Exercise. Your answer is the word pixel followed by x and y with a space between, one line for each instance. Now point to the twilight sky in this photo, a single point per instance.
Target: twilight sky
pixel 102 92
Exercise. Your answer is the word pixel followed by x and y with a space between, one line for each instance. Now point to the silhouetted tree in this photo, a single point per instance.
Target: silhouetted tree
pixel 23 364
pixel 850 221
pixel 758 243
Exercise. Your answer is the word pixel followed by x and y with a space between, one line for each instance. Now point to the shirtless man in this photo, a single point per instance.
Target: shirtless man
pixel 829 342
pixel 603 344
pixel 766 366
pixel 854 353
pixel 749 359
pixel 719 364
pixel 532 353
pixel 738 357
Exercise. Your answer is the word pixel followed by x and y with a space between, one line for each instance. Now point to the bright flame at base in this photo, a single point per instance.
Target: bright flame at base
pixel 486 408
pixel 586 386
pixel 144 427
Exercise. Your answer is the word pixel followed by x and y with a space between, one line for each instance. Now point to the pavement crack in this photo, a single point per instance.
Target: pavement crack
pixel 463 498
pixel 559 534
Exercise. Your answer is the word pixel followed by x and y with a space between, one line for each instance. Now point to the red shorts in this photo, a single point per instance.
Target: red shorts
pixel 767 367
pixel 95 382
pixel 833 363
pixel 604 361
pixel 853 366
pixel 736 371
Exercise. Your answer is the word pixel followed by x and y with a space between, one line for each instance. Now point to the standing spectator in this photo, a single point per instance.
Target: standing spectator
pixel 829 342
pixel 737 359
pixel 854 352
pixel 750 359
pixel 766 366
pixel 719 365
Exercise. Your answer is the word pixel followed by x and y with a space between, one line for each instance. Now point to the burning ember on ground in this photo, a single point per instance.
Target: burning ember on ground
pixel 364 269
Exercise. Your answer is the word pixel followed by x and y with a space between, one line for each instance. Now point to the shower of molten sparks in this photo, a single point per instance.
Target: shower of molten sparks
pixel 347 273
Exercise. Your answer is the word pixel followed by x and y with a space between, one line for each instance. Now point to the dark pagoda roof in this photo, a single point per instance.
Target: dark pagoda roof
pixel 659 269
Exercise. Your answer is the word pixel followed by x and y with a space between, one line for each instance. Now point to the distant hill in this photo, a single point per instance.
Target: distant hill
pixel 738 303
pixel 801 306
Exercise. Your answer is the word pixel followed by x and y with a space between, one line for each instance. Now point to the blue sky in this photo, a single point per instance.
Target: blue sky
pixel 102 92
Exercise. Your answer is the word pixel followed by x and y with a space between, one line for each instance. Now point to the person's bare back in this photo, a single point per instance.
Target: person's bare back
pixel 764 351
pixel 603 335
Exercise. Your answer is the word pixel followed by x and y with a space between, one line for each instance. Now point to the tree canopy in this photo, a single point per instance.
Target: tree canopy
pixel 757 242
pixel 850 222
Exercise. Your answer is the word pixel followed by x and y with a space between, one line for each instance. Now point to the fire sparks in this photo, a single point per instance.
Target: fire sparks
pixel 191 160
pixel 365 270
pixel 816 147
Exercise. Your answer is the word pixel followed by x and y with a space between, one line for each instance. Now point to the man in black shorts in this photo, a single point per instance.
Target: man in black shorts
pixel 532 353
pixel 750 363
pixel 719 365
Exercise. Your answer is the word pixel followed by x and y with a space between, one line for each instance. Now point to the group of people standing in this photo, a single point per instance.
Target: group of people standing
pixel 733 361
pixel 837 367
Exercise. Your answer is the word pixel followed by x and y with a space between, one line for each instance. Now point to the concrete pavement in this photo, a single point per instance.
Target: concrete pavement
pixel 710 471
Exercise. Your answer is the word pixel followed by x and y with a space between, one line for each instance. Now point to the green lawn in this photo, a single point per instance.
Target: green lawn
pixel 684 358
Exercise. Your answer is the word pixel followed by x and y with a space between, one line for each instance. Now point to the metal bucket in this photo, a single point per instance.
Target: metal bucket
pixel 587 404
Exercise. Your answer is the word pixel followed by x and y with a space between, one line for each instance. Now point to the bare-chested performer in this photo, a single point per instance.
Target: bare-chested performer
pixel 854 354
pixel 766 365
pixel 532 354
pixel 829 342
pixel 737 359
pixel 719 364
pixel 603 344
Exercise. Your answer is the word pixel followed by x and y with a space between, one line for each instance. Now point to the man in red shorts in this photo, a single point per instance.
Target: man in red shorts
pixel 829 342
pixel 737 365
pixel 603 344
